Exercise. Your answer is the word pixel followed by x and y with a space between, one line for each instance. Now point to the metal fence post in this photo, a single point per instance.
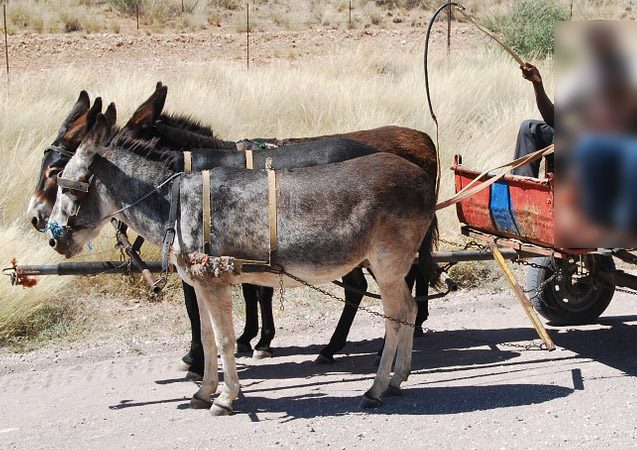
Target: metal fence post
pixel 248 36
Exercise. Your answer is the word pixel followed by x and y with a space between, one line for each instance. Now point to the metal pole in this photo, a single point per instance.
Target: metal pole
pixel 248 35
pixel 350 13
pixel 572 9
pixel 137 13
pixel 6 42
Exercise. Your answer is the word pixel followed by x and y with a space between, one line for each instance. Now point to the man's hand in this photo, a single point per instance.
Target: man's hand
pixel 530 72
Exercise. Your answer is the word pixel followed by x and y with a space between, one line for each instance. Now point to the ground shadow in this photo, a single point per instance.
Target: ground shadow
pixel 414 401
pixel 615 346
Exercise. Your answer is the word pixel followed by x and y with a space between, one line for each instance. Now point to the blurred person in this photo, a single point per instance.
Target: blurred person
pixel 596 145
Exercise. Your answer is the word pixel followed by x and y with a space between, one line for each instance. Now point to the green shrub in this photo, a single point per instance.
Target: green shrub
pixel 530 26
pixel 125 6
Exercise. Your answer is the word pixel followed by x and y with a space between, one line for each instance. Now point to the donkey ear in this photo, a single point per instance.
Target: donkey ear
pixel 98 134
pixel 93 112
pixel 75 122
pixel 151 109
pixel 111 115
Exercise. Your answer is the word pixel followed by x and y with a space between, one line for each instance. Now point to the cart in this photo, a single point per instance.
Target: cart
pixel 566 286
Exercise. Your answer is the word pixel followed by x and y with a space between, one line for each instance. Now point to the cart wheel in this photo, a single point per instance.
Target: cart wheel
pixel 576 297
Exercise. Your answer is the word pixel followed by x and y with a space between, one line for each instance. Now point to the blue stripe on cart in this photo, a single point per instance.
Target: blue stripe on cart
pixel 502 209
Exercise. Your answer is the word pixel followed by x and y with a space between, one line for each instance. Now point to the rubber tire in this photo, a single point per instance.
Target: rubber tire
pixel 555 310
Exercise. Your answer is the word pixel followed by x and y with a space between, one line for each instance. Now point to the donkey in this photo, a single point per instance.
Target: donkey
pixel 328 223
pixel 145 117
pixel 177 133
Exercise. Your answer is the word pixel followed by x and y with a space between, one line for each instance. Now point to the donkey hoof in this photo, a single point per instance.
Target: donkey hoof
pixel 220 410
pixel 393 391
pixel 262 354
pixel 243 349
pixel 322 359
pixel 369 402
pixel 193 376
pixel 199 403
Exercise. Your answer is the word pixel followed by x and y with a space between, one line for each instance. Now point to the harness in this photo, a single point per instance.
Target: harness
pixel 251 265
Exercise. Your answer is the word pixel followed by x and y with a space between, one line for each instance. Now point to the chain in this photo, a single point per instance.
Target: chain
pixel 281 293
pixel 334 297
pixel 625 291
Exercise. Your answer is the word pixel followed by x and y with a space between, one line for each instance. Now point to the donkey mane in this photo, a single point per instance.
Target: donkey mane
pixel 185 122
pixel 148 150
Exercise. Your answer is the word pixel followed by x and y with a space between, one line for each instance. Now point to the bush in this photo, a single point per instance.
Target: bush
pixel 530 27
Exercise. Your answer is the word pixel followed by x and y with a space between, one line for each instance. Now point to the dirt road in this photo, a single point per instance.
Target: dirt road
pixel 473 386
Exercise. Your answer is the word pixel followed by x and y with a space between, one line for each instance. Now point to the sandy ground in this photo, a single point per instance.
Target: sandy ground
pixel 37 52
pixel 473 385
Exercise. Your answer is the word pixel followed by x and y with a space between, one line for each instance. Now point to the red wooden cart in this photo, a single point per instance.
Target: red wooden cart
pixel 566 286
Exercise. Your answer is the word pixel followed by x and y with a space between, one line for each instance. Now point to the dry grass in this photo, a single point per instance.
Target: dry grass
pixel 479 116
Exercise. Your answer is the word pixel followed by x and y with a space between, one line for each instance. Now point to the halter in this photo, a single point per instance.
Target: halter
pixel 59 149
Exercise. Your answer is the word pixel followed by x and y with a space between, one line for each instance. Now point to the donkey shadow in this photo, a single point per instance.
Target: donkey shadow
pixel 415 401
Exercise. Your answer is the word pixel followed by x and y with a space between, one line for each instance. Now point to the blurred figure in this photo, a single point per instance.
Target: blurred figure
pixel 596 176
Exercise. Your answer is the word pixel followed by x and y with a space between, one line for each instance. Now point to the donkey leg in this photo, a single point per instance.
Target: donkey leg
pixel 422 302
pixel 219 298
pixel 356 279
pixel 210 382
pixel 263 349
pixel 410 279
pixel 251 327
pixel 394 306
pixel 195 357
pixel 402 366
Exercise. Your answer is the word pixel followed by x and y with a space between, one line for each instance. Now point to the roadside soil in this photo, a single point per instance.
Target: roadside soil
pixel 474 384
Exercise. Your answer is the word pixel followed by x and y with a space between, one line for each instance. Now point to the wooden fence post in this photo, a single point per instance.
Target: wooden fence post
pixel 6 41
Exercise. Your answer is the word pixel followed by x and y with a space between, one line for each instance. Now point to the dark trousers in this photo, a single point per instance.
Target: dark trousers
pixel 534 135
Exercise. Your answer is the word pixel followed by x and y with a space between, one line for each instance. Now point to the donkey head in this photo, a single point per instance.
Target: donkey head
pixel 170 132
pixel 141 125
pixel 56 155
pixel 68 232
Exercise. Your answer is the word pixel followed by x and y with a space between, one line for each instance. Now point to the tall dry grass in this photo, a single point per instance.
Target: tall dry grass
pixel 479 96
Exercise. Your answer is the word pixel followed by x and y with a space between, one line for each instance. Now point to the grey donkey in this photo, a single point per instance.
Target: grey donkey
pixel 372 211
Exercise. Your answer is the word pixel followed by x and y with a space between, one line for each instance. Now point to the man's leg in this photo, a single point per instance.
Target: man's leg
pixel 533 135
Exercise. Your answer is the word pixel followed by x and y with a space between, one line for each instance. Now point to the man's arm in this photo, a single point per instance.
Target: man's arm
pixel 544 104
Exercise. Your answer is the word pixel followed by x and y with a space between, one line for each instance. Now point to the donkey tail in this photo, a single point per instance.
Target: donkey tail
pixel 425 254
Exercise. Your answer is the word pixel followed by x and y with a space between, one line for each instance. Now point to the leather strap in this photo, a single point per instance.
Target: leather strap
pixel 473 188
pixel 272 218
pixel 187 162
pixel 249 160
pixel 207 222
pixel 73 185
pixel 169 236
